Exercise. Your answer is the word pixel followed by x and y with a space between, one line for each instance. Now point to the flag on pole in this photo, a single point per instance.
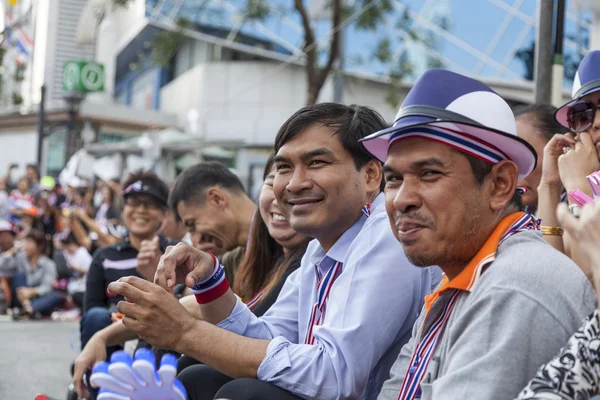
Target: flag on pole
pixel 18 37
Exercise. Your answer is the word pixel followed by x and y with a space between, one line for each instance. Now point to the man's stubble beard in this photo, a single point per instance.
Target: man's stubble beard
pixel 461 251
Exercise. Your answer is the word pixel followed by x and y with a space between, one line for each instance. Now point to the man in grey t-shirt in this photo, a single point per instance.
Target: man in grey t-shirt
pixel 508 301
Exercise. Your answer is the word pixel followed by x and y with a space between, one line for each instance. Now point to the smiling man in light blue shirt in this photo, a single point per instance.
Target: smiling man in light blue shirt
pixel 340 319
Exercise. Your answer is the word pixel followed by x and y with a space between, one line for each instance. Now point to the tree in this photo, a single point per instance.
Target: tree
pixel 320 61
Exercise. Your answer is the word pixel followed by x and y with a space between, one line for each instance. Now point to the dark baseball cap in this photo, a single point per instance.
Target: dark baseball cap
pixel 149 188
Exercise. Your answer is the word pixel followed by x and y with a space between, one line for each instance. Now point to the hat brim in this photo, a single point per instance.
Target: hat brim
pixel 151 193
pixel 561 114
pixel 516 149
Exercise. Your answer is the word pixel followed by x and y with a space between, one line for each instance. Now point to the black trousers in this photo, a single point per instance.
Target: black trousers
pixel 205 383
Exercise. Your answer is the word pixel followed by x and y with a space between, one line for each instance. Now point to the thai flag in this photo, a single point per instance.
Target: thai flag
pixel 19 38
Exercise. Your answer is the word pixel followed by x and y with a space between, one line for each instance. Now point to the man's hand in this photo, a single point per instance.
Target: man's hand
pixel 152 312
pixel 148 258
pixel 94 351
pixel 79 213
pixel 183 264
pixel 586 234
pixel 12 251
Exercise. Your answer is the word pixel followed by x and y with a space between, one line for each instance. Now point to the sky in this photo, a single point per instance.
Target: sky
pixel 480 39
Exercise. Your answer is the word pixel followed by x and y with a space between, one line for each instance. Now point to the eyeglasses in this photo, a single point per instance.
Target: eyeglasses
pixel 135 202
pixel 580 115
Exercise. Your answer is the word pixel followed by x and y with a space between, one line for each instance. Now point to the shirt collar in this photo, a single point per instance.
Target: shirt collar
pixel 469 275
pixel 340 248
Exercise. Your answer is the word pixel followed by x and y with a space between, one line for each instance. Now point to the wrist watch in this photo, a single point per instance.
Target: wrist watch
pixel 575 210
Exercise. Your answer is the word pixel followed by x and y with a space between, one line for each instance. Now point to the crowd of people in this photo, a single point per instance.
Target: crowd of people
pixel 452 255
pixel 49 233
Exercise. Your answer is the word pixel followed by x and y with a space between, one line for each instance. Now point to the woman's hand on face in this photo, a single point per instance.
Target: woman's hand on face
pixel 552 151
pixel 578 163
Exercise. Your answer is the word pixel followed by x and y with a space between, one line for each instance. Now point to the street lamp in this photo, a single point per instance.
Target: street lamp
pixel 73 101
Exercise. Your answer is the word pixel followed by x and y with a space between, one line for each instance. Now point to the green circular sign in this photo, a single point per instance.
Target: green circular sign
pixel 92 76
pixel 71 76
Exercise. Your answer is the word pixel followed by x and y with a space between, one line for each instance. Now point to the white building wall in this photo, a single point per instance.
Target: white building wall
pixel 18 146
pixel 236 100
pixel 249 101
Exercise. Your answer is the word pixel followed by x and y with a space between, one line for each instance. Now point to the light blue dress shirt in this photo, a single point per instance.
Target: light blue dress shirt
pixel 369 315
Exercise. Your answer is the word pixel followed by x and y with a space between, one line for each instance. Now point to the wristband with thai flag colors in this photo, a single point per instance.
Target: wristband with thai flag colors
pixel 594 181
pixel 212 288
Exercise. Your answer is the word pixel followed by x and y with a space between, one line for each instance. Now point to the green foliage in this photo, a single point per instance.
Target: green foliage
pixel 17 99
pixel 383 51
pixel 256 10
pixel 20 72
pixel 163 47
pixel 166 44
pixel 2 54
pixel 120 3
pixel 374 16
pixel 436 62
pixel 397 75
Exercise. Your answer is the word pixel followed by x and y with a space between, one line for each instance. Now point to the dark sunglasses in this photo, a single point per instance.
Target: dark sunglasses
pixel 580 115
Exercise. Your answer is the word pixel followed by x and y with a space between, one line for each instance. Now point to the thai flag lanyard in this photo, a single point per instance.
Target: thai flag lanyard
pixel 324 285
pixel 253 302
pixel 411 387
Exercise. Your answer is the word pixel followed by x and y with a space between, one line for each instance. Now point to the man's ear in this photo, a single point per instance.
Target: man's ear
pixel 503 179
pixel 374 174
pixel 217 198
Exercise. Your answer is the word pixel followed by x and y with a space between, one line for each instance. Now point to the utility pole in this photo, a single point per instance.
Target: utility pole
pixel 543 52
pixel 41 129
pixel 558 67
pixel 338 83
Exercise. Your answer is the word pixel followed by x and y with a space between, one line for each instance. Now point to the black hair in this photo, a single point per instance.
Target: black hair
pixel 69 239
pixel 35 168
pixel 481 169
pixel 191 185
pixel 542 117
pixel 264 261
pixel 147 176
pixel 39 238
pixel 350 123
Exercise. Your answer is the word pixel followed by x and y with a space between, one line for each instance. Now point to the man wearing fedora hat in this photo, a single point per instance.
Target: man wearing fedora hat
pixel 508 300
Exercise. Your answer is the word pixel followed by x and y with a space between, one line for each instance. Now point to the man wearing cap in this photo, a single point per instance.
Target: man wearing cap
pixel 508 300
pixel 145 208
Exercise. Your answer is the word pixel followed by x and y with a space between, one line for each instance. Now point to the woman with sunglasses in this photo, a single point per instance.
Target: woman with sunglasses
pixel 570 158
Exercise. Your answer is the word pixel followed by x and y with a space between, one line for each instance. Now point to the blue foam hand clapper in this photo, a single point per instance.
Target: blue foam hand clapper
pixel 125 378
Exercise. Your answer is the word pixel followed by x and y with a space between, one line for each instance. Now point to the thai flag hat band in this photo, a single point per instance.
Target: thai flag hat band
pixel 461 112
pixel 586 81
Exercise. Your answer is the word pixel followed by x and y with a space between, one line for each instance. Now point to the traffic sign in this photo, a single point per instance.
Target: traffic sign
pixel 83 76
